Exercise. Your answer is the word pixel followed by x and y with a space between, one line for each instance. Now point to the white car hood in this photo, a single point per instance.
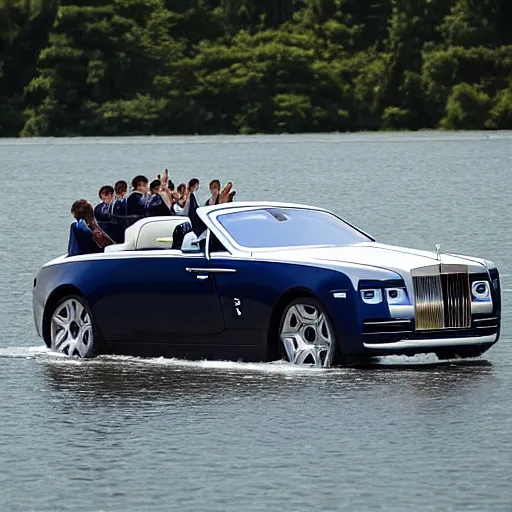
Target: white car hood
pixel 397 259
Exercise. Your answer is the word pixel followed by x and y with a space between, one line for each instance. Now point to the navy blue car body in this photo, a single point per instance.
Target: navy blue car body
pixel 223 295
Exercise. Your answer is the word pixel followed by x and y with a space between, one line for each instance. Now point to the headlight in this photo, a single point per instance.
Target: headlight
pixel 372 295
pixel 480 290
pixel 396 296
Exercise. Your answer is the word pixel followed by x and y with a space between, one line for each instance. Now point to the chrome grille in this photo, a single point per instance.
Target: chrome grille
pixel 457 301
pixel 442 297
pixel 429 302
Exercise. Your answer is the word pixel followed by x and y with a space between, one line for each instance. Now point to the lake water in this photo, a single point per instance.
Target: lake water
pixel 121 434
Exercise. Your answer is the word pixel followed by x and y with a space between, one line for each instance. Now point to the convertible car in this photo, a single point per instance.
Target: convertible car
pixel 265 281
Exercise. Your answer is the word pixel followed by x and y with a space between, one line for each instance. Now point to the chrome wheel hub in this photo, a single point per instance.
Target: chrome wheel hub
pixel 306 336
pixel 71 329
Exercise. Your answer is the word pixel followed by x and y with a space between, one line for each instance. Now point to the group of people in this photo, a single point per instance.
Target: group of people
pixel 105 224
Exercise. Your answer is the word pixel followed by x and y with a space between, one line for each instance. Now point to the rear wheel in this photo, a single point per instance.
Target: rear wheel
pixel 306 334
pixel 71 328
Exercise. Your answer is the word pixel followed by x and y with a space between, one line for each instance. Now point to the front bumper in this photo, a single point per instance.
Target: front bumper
pixel 431 343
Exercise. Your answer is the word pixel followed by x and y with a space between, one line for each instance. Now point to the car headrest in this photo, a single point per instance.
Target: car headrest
pixel 150 233
pixel 157 232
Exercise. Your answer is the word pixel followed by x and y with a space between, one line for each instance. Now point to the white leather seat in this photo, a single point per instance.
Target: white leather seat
pixel 145 234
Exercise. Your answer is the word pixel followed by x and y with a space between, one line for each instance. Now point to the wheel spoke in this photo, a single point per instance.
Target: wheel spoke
pixel 292 322
pixel 60 338
pixel 321 326
pixel 60 321
pixel 70 311
pixel 71 347
pixel 301 356
pixel 79 313
pixel 289 347
pixel 308 314
pixel 83 339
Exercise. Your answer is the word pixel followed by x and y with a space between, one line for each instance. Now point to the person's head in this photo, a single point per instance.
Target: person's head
pixel 155 187
pixel 182 188
pixel 214 187
pixel 82 210
pixel 171 185
pixel 106 193
pixel 120 188
pixel 140 184
pixel 193 185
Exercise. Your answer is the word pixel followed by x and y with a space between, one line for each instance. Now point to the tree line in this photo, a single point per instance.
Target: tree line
pixel 126 67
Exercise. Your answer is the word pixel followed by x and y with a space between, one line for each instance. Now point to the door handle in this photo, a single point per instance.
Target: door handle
pixel 211 270
pixel 202 277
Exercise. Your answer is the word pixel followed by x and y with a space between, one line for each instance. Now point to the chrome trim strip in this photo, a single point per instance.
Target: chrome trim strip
pixel 212 270
pixel 380 333
pixel 387 322
pixel 207 246
pixel 439 343
pixel 488 319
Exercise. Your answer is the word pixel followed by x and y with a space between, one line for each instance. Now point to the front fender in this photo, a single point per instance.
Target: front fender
pixel 250 296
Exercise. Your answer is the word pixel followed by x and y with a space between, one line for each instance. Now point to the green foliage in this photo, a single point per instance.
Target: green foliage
pixel 123 67
pixel 395 118
pixel 501 111
pixel 467 108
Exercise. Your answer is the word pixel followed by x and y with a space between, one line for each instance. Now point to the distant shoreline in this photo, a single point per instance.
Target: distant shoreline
pixel 385 134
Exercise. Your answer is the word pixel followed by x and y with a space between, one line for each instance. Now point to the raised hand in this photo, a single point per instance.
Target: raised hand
pixel 224 193
pixel 165 180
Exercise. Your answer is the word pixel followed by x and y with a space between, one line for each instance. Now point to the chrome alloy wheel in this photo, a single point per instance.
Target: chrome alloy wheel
pixel 71 329
pixel 307 335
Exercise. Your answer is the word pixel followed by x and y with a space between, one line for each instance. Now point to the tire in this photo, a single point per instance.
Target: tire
pixel 72 330
pixel 306 334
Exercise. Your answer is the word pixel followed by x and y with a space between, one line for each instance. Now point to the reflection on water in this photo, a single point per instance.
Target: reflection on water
pixel 178 381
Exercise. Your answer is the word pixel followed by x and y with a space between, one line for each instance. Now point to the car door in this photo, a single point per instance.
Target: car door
pixel 160 296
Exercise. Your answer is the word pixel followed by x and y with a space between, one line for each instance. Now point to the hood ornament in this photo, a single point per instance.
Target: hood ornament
pixel 438 251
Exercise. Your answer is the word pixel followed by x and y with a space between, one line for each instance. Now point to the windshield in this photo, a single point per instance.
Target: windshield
pixel 288 227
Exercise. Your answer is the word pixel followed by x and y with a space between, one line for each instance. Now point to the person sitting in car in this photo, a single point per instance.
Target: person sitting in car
pixel 156 204
pixel 103 210
pixel 215 193
pixel 136 204
pixel 218 196
pixel 85 234
pixel 191 206
pixel 119 212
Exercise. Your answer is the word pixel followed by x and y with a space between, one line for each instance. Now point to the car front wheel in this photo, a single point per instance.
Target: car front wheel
pixel 71 328
pixel 306 334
